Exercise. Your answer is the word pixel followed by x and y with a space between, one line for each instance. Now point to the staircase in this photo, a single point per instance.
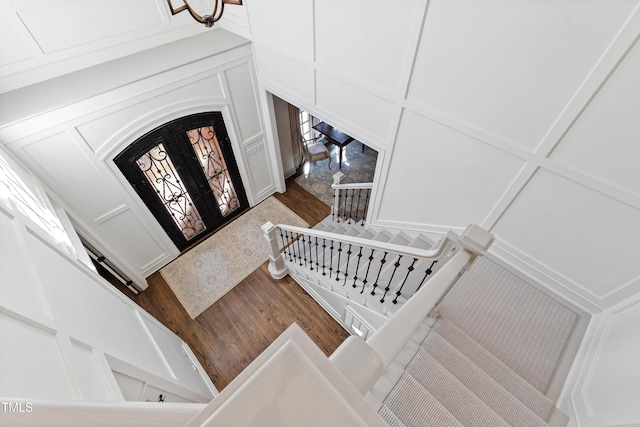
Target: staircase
pixel 440 375
pixel 451 338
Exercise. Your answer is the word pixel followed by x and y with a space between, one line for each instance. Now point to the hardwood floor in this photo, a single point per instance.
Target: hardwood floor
pixel 238 327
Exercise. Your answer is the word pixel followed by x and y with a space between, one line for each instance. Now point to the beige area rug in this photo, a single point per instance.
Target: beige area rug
pixel 205 273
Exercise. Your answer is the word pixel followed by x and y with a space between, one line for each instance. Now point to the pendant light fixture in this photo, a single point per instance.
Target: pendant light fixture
pixel 206 19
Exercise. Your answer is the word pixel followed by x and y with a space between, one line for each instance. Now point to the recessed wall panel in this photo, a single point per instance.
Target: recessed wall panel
pixel 289 25
pixel 58 25
pixel 605 140
pixel 72 175
pixel 136 242
pixel 352 41
pixel 582 234
pixel 443 177
pixel 510 67
pixel 90 313
pixel 612 386
pixel 371 113
pixel 243 97
pixel 88 374
pixel 295 77
pixel 260 167
pixel 17 50
pixel 19 290
pixel 176 355
pixel 31 364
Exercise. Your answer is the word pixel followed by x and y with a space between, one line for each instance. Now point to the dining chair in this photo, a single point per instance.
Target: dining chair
pixel 314 151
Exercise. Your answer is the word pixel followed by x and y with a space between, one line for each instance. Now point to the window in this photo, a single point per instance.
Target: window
pixel 306 124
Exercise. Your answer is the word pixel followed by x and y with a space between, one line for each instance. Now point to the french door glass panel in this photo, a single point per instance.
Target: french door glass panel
pixel 157 167
pixel 205 145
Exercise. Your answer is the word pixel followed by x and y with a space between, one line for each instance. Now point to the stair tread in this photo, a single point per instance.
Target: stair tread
pixel 413 405
pixel 382 236
pixel 420 242
pixel 468 408
pixel 366 234
pixel 389 417
pixel 501 373
pixel 503 403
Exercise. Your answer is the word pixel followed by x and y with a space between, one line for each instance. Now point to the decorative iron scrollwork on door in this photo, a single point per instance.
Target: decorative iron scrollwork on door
pixel 157 167
pixel 207 149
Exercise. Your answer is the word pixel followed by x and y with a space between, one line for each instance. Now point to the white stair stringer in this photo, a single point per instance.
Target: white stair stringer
pixel 335 302
pixel 381 389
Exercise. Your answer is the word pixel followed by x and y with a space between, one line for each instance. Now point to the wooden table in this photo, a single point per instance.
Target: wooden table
pixel 334 136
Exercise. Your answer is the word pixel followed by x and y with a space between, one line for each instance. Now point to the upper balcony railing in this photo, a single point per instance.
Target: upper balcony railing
pixel 350 201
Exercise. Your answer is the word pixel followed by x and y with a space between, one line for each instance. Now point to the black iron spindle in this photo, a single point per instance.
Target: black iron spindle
pixel 324 246
pixel 353 193
pixel 288 246
pixel 317 269
pixel 346 269
pixel 335 204
pixel 283 247
pixel 358 205
pixel 310 252
pixel 409 270
pixel 299 251
pixel 338 263
pixel 304 251
pixel 330 258
pixel 426 274
pixel 355 274
pixel 388 287
pixel 375 284
pixel 366 274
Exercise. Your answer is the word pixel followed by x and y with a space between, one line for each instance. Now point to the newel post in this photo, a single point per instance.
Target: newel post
pixel 276 264
pixel 338 178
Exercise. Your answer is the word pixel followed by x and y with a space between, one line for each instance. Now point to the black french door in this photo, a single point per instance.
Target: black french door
pixel 186 174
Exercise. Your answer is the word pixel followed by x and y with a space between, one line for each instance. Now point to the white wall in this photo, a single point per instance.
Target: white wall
pixel 63 328
pixel 48 38
pixel 517 116
pixel 68 130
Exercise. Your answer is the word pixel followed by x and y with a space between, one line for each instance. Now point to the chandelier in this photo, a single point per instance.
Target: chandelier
pixel 206 19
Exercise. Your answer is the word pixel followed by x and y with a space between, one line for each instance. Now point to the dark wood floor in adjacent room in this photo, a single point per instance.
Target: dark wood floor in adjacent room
pixel 238 327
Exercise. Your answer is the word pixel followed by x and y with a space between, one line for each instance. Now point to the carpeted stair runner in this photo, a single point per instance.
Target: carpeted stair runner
pixel 479 382
pixel 515 322
pixel 474 387
pixel 426 410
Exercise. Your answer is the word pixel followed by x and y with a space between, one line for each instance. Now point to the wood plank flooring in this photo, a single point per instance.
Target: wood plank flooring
pixel 238 327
